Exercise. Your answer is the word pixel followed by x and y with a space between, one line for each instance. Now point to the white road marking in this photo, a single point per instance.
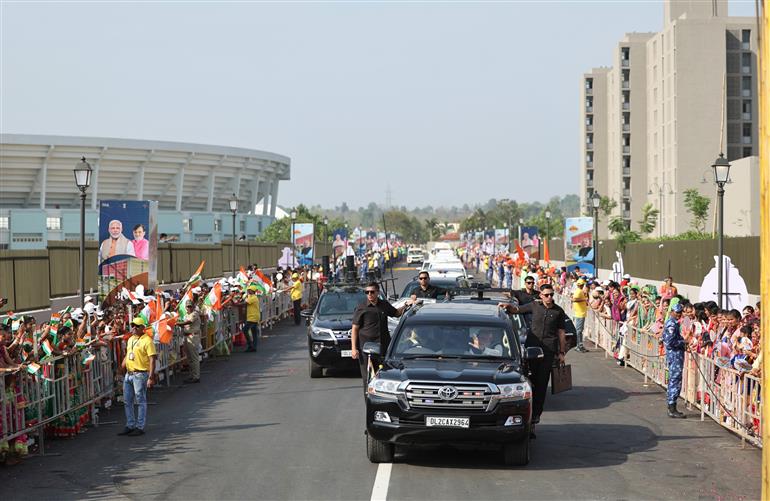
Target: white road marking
pixel 381 482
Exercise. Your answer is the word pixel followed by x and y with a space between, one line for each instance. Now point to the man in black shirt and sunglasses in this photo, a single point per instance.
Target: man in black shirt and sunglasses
pixel 548 331
pixel 370 324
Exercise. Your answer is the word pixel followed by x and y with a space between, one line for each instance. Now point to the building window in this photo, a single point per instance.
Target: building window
pixel 53 223
pixel 187 225
pixel 4 222
pixel 746 133
pixel 217 225
pixel 746 109
pixel 746 152
pixel 746 39
pixel 259 226
pixel 243 226
pixel 746 62
pixel 746 86
pixel 589 83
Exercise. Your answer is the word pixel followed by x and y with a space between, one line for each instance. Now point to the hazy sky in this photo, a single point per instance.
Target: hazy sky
pixel 452 103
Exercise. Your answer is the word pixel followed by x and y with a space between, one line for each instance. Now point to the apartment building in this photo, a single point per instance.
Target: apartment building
pixel 675 100
pixel 594 133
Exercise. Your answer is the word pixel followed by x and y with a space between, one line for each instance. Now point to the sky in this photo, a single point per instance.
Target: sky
pixel 445 103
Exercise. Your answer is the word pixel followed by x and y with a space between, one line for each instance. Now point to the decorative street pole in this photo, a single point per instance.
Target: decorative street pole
pixel 596 201
pixel 721 176
pixel 83 181
pixel 234 209
pixel 293 215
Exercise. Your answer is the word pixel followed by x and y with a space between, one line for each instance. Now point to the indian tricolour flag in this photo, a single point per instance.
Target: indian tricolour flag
pixel 182 306
pixel 214 298
pixel 264 279
pixel 196 277
pixel 47 348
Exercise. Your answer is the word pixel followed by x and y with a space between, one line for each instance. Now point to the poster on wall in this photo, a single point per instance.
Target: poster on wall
pixel 578 242
pixel 489 242
pixel 128 243
pixel 303 242
pixel 530 241
pixel 339 242
pixel 501 239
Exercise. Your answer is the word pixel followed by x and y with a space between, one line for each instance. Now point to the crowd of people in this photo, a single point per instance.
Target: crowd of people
pixel 77 336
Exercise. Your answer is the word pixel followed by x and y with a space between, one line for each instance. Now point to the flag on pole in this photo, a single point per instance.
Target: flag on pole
pixel 33 368
pixel 546 254
pixel 264 279
pixel 196 277
pixel 47 348
pixel 182 306
pixel 214 298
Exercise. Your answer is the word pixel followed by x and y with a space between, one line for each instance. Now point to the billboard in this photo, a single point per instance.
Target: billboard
pixel 303 243
pixel 339 242
pixel 128 243
pixel 530 241
pixel 578 244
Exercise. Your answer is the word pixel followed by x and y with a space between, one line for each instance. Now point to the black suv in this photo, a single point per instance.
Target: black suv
pixel 329 324
pixel 453 373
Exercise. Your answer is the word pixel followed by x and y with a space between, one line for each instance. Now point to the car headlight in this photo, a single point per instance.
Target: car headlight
pixel 321 333
pixel 387 388
pixel 514 391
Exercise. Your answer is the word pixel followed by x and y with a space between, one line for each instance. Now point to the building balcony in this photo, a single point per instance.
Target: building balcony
pixel 626 192
pixel 626 106
pixel 745 46
pixel 589 109
pixel 590 183
pixel 746 93
pixel 746 70
pixel 626 214
pixel 746 140
pixel 626 127
pixel 746 116
pixel 589 164
pixel 624 63
pixel 625 84
pixel 589 146
pixel 626 171
pixel 589 128
pixel 626 149
pixel 589 92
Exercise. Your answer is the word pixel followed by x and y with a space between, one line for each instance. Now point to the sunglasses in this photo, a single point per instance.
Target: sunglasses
pixel 423 278
pixel 529 282
pixel 371 292
pixel 546 295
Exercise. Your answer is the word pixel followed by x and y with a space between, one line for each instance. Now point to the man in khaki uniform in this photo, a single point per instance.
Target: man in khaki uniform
pixel 191 328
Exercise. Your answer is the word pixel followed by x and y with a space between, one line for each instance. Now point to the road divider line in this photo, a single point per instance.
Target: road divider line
pixel 381 482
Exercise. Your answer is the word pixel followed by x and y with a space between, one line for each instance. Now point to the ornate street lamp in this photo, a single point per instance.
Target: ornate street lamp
pixel 596 201
pixel 721 176
pixel 233 202
pixel 83 173
pixel 293 216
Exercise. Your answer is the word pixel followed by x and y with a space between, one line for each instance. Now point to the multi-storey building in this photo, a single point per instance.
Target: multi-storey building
pixel 675 100
pixel 594 133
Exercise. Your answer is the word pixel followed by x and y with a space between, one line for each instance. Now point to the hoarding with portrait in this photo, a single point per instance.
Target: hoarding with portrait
pixel 303 242
pixel 578 244
pixel 530 241
pixel 128 242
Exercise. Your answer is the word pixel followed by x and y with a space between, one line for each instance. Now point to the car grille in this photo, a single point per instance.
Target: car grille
pixel 470 396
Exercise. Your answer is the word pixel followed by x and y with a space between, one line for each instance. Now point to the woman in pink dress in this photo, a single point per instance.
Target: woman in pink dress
pixel 141 245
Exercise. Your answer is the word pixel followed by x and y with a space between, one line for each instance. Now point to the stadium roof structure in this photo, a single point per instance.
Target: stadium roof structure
pixel 36 171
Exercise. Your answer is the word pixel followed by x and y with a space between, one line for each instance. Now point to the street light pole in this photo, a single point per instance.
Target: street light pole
pixel 82 181
pixel 660 189
pixel 293 215
pixel 596 201
pixel 721 175
pixel 547 228
pixel 233 202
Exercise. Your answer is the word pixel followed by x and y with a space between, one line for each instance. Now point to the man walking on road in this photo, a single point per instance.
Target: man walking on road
pixel 370 324
pixel 139 364
pixel 675 346
pixel 579 310
pixel 191 327
pixel 296 297
pixel 548 332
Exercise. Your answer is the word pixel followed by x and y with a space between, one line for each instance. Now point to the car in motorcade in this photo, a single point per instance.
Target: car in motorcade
pixel 454 373
pixel 415 256
pixel 446 283
pixel 329 325
pixel 445 267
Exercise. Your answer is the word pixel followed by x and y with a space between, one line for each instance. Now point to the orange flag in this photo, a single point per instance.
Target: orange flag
pixel 546 254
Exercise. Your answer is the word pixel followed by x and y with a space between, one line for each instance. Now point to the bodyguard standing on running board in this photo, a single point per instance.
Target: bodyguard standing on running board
pixel 370 324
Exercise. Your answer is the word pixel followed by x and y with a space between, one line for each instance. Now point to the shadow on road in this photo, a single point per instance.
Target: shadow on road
pixel 582 398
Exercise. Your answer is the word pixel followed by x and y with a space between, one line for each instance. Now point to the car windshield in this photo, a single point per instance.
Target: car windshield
pixel 339 303
pixel 443 284
pixel 482 341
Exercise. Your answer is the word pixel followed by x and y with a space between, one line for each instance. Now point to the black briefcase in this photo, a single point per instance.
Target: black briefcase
pixel 561 378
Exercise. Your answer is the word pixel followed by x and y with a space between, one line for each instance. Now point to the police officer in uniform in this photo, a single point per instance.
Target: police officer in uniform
pixel 548 332
pixel 370 324
pixel 675 346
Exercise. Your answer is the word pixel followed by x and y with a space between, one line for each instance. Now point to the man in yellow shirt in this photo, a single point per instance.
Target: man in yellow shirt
pixel 296 297
pixel 139 364
pixel 253 317
pixel 579 310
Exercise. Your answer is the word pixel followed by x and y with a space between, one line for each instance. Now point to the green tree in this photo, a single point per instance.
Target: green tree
pixel 623 234
pixel 606 205
pixel 698 206
pixel 649 219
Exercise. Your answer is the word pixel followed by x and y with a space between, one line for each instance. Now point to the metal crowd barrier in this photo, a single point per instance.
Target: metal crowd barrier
pixel 66 394
pixel 727 396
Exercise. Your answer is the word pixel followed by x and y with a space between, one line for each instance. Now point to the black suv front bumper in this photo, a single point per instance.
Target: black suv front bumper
pixel 408 426
pixel 328 354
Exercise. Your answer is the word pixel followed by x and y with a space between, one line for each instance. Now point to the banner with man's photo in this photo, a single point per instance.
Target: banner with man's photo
pixel 339 242
pixel 530 241
pixel 303 243
pixel 578 244
pixel 128 236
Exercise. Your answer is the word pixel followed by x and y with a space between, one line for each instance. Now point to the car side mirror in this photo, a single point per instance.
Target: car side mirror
pixel 533 353
pixel 306 313
pixel 373 348
pixel 470 277
pixel 393 297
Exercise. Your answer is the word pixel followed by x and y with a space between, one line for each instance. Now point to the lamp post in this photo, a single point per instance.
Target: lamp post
pixel 233 202
pixel 547 228
pixel 521 223
pixel 596 201
pixel 82 181
pixel 659 190
pixel 721 175
pixel 293 215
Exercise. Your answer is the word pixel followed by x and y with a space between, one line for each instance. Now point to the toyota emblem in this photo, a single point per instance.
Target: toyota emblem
pixel 447 392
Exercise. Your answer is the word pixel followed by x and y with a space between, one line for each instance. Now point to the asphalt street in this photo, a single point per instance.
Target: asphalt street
pixel 257 427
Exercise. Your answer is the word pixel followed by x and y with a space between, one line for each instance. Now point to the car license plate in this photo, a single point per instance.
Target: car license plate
pixel 448 422
pixel 347 353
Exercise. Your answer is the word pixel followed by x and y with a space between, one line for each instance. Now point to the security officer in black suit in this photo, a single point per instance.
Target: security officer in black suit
pixel 426 290
pixel 547 331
